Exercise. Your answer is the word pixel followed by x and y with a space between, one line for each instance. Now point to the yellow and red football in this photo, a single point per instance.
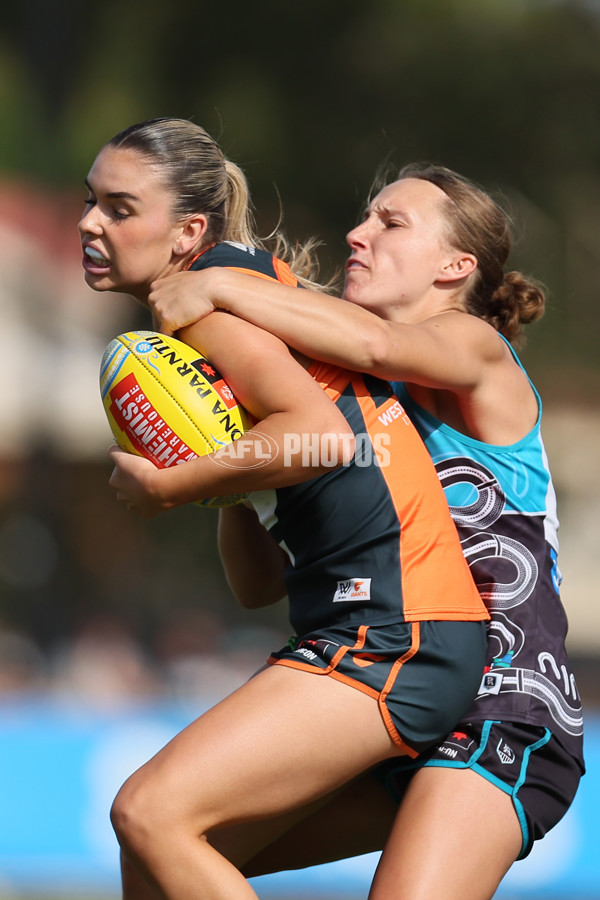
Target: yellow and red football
pixel 166 402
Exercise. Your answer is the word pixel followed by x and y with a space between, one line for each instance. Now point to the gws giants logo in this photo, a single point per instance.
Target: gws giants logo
pixel 353 589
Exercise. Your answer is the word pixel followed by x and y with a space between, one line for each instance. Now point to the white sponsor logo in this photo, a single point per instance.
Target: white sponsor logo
pixel 353 589
pixel 491 683
pixel 307 653
pixel 244 247
pixel 396 411
pixel 506 754
pixel 448 751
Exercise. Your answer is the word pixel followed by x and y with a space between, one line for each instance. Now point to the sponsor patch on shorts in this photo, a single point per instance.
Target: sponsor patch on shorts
pixel 352 589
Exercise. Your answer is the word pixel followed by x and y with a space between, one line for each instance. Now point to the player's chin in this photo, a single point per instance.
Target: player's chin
pixel 97 282
pixel 104 283
pixel 353 291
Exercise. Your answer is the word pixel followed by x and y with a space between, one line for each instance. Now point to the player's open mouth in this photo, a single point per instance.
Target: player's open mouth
pixel 96 256
pixel 94 262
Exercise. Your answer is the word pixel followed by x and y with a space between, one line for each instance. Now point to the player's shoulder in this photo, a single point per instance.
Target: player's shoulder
pixel 469 331
pixel 230 253
pixel 223 335
pixel 234 255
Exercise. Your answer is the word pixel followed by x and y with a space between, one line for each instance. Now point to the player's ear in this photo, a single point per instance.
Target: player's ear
pixel 459 266
pixel 190 234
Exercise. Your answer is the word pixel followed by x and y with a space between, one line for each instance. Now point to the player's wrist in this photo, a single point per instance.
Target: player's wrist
pixel 222 291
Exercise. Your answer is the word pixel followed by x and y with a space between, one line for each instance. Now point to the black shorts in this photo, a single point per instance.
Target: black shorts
pixel 525 761
pixel 424 675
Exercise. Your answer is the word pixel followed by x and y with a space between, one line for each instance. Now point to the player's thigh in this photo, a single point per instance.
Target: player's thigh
pixel 282 740
pixel 353 820
pixel 455 836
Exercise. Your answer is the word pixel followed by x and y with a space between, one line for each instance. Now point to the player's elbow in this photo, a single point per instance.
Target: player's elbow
pixel 258 599
pixel 341 439
pixel 314 452
pixel 343 445
pixel 377 351
pixel 337 439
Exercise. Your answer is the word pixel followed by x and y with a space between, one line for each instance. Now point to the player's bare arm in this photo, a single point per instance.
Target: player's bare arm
pixel 280 395
pixel 253 562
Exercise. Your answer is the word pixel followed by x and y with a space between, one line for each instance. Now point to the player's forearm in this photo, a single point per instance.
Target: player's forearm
pixel 276 454
pixel 319 325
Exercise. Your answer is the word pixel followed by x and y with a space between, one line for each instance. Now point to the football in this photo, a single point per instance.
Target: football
pixel 166 402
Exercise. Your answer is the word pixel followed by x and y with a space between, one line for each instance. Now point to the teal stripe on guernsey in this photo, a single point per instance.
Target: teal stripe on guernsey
pixel 520 469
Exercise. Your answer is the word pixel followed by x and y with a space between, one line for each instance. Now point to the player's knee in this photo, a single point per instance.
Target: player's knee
pixel 134 815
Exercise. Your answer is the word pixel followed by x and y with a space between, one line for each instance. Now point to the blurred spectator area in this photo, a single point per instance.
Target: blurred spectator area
pixel 98 603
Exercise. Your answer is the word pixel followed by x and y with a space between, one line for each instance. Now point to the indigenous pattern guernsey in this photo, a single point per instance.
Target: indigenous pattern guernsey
pixel 504 507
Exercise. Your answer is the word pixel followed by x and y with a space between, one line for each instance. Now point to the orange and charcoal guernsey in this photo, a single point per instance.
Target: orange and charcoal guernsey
pixel 371 542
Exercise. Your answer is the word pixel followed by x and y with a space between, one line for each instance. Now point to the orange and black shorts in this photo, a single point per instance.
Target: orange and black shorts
pixel 424 675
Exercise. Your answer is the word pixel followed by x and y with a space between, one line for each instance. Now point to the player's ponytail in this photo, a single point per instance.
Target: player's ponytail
pixel 239 220
pixel 516 301
pixel 240 226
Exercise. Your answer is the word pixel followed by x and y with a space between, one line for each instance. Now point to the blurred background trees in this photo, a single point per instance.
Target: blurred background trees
pixel 311 99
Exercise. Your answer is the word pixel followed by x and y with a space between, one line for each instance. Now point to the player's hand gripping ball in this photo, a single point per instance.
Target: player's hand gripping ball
pixel 166 402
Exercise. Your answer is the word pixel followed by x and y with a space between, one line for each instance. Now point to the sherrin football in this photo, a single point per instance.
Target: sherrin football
pixel 166 402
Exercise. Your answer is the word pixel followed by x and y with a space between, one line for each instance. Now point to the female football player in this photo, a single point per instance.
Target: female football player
pixel 429 305
pixel 389 627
